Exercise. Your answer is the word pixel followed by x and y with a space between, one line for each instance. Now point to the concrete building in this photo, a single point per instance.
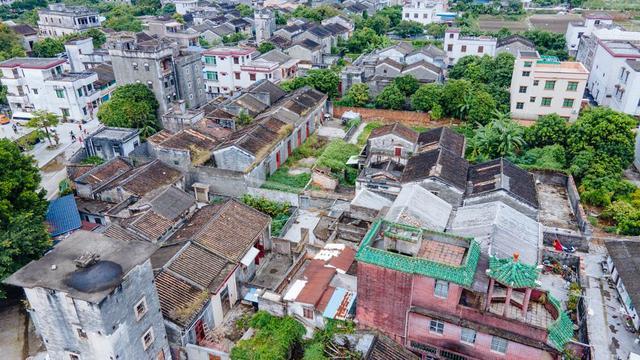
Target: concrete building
pixel 184 7
pixel 110 142
pixel 576 30
pixel 171 73
pixel 167 27
pixel 264 23
pixel 59 20
pixel 28 35
pixel 458 46
pixel 613 79
pixel 228 70
pixel 93 297
pixel 543 85
pixel 476 308
pixel 622 264
pixel 43 84
pixel 589 43
pixel 514 44
pixel 83 56
pixel 424 11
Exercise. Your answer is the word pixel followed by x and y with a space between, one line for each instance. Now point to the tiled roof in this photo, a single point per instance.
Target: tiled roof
pixel 442 137
pixel 105 172
pixel 151 225
pixel 172 202
pixel 501 174
pixel 118 232
pixel 395 129
pixel 511 272
pixel 189 139
pixel 625 255
pixel 175 294
pixel 202 267
pixel 74 171
pixel 438 163
pixel 384 348
pixel 194 224
pixel 318 278
pixel 233 230
pixel 62 215
pixel 149 177
pixel 462 275
pixel 561 330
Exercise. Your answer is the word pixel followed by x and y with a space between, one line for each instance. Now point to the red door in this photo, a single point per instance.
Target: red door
pixel 299 138
pixel 278 160
pixel 199 330
pixel 398 151
pixel 260 254
pixel 307 129
pixel 289 147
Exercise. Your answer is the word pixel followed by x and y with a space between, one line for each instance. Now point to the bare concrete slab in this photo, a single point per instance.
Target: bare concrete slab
pixel 555 209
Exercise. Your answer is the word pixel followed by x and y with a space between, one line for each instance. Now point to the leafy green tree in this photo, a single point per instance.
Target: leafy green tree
pixel 436 30
pixel 394 13
pixel 607 132
pixel 548 130
pixel 234 38
pixel 203 42
pixel 549 157
pixel 131 106
pixel 244 10
pixel 244 118
pixel 452 96
pixel 293 84
pixel 502 137
pixel 358 95
pixel 281 19
pixel 23 206
pixel 9 44
pixel 43 120
pixel 408 29
pixel 122 18
pixel 324 80
pixel 315 14
pixel 169 9
pixel 265 46
pixel 48 47
pixel 378 23
pixel 365 39
pixel 98 37
pixel 390 98
pixel 481 107
pixel 408 84
pixel 548 43
pixel 426 97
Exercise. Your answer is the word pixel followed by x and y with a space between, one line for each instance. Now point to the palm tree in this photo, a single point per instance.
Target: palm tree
pixel 463 108
pixel 43 120
pixel 499 138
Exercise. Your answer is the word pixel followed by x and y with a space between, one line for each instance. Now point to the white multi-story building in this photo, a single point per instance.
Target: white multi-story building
pixel 228 70
pixel 424 11
pixel 185 6
pixel 543 85
pixel 458 46
pixel 43 84
pixel 576 30
pixel 614 80
pixel 60 20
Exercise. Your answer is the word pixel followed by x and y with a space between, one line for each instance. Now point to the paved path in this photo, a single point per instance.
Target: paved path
pixel 354 137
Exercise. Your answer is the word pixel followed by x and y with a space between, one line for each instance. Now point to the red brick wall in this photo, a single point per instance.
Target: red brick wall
pixel 423 295
pixel 386 116
pixel 383 299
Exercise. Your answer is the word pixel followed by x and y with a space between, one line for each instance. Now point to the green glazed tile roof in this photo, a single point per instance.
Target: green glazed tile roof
pixel 546 59
pixel 561 330
pixel 513 273
pixel 462 275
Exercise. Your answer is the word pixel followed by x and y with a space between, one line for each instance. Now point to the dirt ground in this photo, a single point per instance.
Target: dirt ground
pixel 553 23
pixel 18 340
pixel 493 23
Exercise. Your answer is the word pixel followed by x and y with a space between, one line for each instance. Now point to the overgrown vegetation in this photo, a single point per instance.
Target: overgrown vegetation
pixel 278 211
pixel 131 106
pixel 274 338
pixel 335 157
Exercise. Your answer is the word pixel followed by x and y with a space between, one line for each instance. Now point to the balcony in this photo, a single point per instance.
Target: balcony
pixel 17 98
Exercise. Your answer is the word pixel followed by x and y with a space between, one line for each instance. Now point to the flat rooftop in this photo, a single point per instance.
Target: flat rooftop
pixel 32 63
pixel 57 270
pixel 555 209
pixel 113 133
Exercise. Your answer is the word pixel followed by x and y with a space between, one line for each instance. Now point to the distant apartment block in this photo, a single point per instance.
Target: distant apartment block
pixel 171 73
pixel 543 85
pixel 228 70
pixel 423 11
pixel 576 30
pixel 44 84
pixel 171 29
pixel 60 20
pixel 458 46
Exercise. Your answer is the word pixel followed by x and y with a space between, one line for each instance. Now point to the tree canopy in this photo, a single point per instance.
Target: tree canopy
pixel 407 28
pixel 9 43
pixel 358 95
pixel 390 98
pixel 365 39
pixel 122 18
pixel 323 80
pixel 23 235
pixel 265 46
pixel 131 106
pixel 408 84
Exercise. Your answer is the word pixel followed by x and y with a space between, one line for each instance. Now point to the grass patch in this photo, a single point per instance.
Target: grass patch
pixel 283 181
pixel 364 135
pixel 335 157
pixel 279 212
pixel 312 147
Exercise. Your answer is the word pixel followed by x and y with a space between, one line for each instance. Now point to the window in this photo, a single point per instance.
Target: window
pixel 236 75
pixel 526 73
pixel 81 333
pixel 210 60
pixel 150 85
pixel 448 355
pixel 146 67
pixel 236 60
pixel 436 326
pixel 567 103
pixel 468 336
pixel 549 84
pixel 60 93
pixel 527 64
pixel 212 75
pixel 80 92
pixel 464 48
pixel 140 308
pixel 35 91
pixel 65 112
pixel 546 101
pixel 135 66
pixel 450 36
pixel 499 344
pixel 572 86
pixel 147 339
pixel 450 47
pixel 307 312
pixel 441 289
pixel 73 356
pixel 415 16
pixel 536 82
pixel 519 105
pixel 532 99
pixel 480 49
pixel 523 89
pixel 252 77
pixel 406 15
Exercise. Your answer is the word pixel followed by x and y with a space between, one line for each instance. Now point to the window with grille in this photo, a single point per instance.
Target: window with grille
pixel 567 103
pixel 140 308
pixel 441 289
pixel 436 326
pixel 499 344
pixel 147 338
pixel 572 86
pixel 468 336
pixel 307 313
pixel 550 85
pixel 546 101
